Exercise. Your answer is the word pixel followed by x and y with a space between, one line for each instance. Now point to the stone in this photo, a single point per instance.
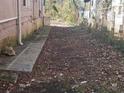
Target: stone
pixel 22 85
pixel 27 85
pixel 33 80
pixel 9 51
pixel 61 74
pixel 114 84
pixel 83 82
pixel 75 86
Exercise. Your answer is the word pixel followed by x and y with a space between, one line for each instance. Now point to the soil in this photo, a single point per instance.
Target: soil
pixel 73 61
pixel 6 60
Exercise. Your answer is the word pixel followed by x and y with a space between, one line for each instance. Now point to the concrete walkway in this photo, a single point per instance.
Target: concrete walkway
pixel 25 61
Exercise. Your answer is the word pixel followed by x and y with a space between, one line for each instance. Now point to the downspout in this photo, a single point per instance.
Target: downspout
pixel 19 22
pixel 44 12
pixel 123 13
pixel 33 9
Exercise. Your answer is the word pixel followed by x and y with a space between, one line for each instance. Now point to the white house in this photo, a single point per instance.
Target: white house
pixel 118 9
pixel 115 14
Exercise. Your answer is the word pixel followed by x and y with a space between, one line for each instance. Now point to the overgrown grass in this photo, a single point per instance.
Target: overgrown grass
pixel 106 36
pixel 8 77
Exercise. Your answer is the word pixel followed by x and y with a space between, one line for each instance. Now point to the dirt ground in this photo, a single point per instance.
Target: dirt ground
pixel 73 61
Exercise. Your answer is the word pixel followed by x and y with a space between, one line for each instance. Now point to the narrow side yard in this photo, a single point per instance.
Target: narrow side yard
pixel 72 61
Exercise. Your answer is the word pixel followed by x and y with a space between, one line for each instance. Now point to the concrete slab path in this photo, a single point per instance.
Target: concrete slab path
pixel 25 61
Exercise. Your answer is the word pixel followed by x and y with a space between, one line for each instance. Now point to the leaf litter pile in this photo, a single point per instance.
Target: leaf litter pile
pixel 72 61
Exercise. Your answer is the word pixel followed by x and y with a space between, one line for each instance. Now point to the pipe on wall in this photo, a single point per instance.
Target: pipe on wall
pixel 7 20
pixel 44 2
pixel 19 22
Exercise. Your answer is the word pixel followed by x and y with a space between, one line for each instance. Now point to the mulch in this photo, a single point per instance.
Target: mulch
pixel 73 61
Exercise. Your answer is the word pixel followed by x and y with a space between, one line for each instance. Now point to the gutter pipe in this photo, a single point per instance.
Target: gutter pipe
pixel 19 22
pixel 7 20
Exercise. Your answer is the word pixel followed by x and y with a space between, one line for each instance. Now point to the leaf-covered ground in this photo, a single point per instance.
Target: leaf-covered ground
pixel 73 61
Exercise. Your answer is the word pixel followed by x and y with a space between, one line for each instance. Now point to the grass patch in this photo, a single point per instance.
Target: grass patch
pixel 9 77
pixel 108 37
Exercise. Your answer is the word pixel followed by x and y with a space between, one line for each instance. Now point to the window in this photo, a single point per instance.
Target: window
pixel 24 2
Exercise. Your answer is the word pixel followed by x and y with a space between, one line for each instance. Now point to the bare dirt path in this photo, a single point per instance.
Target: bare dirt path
pixel 72 61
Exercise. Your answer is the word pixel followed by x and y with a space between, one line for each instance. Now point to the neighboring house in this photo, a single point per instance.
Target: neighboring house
pixel 19 18
pixel 118 15
pixel 92 13
pixel 112 16
pixel 115 16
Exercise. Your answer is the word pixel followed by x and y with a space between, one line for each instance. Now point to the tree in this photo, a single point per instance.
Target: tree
pixel 62 9
pixel 86 1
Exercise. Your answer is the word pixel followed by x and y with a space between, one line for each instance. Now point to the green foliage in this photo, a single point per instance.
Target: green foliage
pixel 104 4
pixel 4 76
pixel 64 11
pixel 108 37
pixel 54 7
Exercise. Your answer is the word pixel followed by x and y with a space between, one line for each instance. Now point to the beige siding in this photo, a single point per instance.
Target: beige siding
pixel 30 19
pixel 7 9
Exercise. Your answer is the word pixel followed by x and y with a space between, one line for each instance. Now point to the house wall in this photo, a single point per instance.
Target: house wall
pixel 8 9
pixel 8 29
pixel 30 18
